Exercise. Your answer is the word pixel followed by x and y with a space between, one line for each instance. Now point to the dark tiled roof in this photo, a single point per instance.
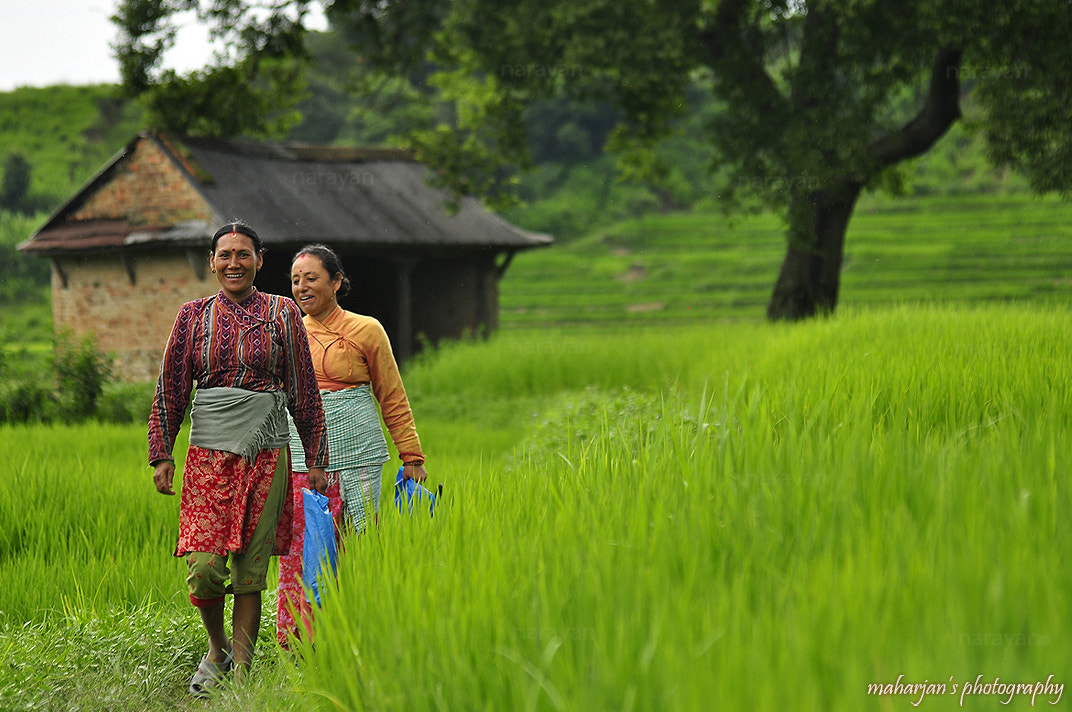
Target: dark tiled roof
pixel 294 193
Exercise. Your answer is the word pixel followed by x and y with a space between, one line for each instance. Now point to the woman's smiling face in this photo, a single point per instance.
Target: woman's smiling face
pixel 313 288
pixel 235 262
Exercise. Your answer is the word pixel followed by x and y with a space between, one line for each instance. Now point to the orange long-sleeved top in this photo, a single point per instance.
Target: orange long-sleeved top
pixel 351 349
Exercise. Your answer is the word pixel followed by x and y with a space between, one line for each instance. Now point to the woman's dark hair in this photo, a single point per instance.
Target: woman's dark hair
pixel 332 264
pixel 241 229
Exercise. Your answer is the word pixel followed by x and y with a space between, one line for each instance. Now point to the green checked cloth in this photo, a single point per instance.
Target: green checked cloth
pixel 355 436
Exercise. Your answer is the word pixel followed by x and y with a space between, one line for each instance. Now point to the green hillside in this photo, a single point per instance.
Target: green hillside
pixel 62 135
pixel 66 133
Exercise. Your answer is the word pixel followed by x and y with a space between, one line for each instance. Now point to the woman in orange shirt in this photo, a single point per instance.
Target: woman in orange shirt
pixel 359 380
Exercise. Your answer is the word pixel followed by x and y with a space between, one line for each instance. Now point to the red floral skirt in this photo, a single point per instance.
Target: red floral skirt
pixel 222 499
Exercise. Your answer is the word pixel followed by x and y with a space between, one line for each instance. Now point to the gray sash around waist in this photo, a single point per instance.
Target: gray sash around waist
pixel 239 421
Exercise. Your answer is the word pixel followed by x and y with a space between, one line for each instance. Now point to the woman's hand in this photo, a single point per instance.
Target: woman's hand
pixel 163 476
pixel 318 480
pixel 414 472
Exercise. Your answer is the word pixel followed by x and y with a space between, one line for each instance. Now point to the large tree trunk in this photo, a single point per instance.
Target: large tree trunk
pixel 810 277
pixel 809 280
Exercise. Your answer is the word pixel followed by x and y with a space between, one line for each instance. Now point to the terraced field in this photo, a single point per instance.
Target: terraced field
pixel 683 267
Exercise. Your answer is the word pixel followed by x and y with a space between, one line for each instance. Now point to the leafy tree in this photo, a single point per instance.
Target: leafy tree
pixel 15 183
pixel 81 374
pixel 250 88
pixel 351 103
pixel 812 92
pixel 25 278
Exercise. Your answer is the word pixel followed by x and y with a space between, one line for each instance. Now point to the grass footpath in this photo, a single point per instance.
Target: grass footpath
pixel 735 516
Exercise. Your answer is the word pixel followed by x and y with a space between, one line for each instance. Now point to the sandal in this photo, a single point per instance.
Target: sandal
pixel 209 675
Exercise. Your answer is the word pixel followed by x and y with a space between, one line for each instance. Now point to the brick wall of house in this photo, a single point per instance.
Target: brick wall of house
pixel 129 320
pixel 147 190
pixel 128 298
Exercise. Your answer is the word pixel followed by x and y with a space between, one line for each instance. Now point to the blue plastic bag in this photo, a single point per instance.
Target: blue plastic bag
pixel 318 546
pixel 413 494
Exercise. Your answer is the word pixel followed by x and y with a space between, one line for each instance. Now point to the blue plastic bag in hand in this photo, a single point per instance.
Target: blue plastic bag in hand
pixel 413 493
pixel 318 547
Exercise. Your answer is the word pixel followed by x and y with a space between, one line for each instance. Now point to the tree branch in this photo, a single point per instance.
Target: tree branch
pixel 940 111
pixel 733 58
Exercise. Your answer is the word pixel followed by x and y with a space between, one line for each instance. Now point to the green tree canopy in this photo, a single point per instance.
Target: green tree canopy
pixel 812 92
pixel 252 84
pixel 15 183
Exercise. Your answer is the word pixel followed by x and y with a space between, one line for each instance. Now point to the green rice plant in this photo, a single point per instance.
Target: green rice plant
pixel 531 363
pixel 84 529
pixel 852 500
pixel 736 516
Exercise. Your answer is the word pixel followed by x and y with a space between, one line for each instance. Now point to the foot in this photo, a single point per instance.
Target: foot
pixel 208 676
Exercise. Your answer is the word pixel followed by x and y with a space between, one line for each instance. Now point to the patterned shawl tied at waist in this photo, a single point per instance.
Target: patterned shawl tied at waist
pixel 239 421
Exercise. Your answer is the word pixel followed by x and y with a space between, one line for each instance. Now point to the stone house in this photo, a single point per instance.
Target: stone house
pixel 133 244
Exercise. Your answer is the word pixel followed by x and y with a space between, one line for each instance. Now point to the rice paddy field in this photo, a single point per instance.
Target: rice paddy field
pixel 741 516
pixel 861 512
